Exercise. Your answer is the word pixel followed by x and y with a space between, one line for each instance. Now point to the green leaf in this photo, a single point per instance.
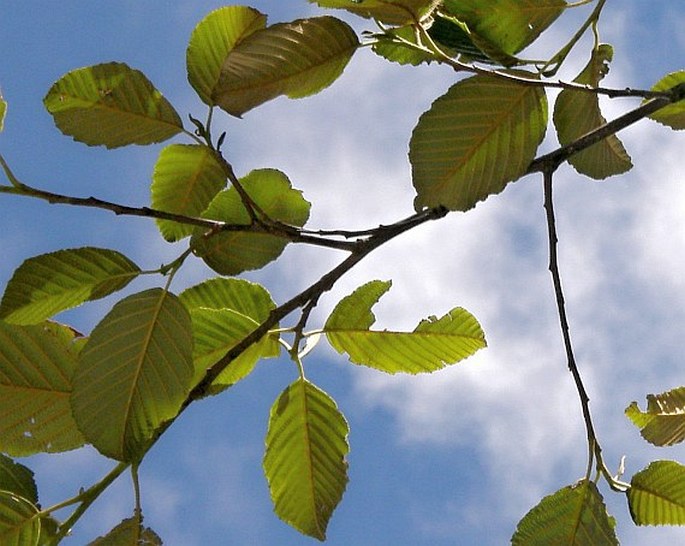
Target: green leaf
pixel 17 479
pixel 576 113
pixel 573 516
pixel 480 135
pixel 134 373
pixel 3 112
pixel 294 59
pixel 232 252
pixel 245 297
pixel 386 46
pixel 433 344
pixel 305 460
pixel 506 25
pixel 130 532
pixel 455 35
pixel 36 365
pixel 185 180
pixel 392 12
pixel 211 42
pixel 663 424
pixel 672 115
pixel 657 494
pixel 112 105
pixel 50 283
pixel 19 524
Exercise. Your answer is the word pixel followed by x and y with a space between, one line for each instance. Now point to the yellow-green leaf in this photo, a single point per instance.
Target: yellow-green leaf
pixel 17 479
pixel 657 494
pixel 185 180
pixel 19 523
pixel 133 374
pixel 294 59
pixel 305 460
pixel 663 424
pixel 232 252
pixel 672 115
pixel 45 285
pixel 577 113
pixel 211 42
pixel 3 112
pixel 36 365
pixel 476 138
pixel 573 516
pixel 113 105
pixel 433 344
pixel 392 12
pixel 129 532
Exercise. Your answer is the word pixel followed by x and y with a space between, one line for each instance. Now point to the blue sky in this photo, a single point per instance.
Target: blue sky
pixel 453 458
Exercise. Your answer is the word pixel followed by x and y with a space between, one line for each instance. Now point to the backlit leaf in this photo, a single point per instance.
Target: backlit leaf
pixel 134 373
pixel 17 479
pixel 433 344
pixel 130 532
pixel 480 135
pixel 185 180
pixel 577 113
pixel 50 283
pixel 573 516
pixel 36 365
pixel 305 460
pixel 663 424
pixel 212 40
pixel 19 524
pixel 294 59
pixel 3 112
pixel 113 105
pixel 657 494
pixel 232 252
pixel 674 114
pixel 393 12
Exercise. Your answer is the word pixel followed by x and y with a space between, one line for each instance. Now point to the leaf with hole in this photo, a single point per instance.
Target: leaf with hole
pixel 305 460
pixel 657 494
pixel 476 138
pixel 50 283
pixel 663 423
pixel 113 105
pixel 133 373
pixel 432 345
pixel 577 113
pixel 672 115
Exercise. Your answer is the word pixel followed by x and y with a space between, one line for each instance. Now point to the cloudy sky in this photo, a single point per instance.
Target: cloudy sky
pixel 457 457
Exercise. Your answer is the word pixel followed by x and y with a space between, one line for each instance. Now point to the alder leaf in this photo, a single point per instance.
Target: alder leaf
pixel 657 494
pixel 18 479
pixel 663 424
pixel 480 135
pixel 305 459
pixel 19 523
pixel 211 42
pixel 294 59
pixel 133 373
pixel 36 365
pixel 573 516
pixel 245 297
pixel 185 180
pixel 392 12
pixel 672 115
pixel 129 532
pixel 3 112
pixel 45 285
pixel 433 344
pixel 232 252
pixel 577 113
pixel 113 105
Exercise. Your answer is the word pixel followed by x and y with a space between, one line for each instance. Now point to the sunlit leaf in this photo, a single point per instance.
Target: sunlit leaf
pixel 130 532
pixel 573 516
pixel 36 365
pixel 212 40
pixel 294 59
pixel 674 114
pixel 480 135
pixel 577 113
pixel 19 524
pixel 305 460
pixel 387 46
pixel 433 344
pixel 185 180
pixel 393 12
pixel 232 252
pixel 663 424
pixel 3 112
pixel 245 297
pixel 50 283
pixel 657 494
pixel 134 373
pixel 113 105
pixel 17 479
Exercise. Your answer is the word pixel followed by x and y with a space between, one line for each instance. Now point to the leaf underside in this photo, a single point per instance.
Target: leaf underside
pixel 672 115
pixel 17 479
pixel 663 423
pixel 18 524
pixel 392 12
pixel 129 532
pixel 657 494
